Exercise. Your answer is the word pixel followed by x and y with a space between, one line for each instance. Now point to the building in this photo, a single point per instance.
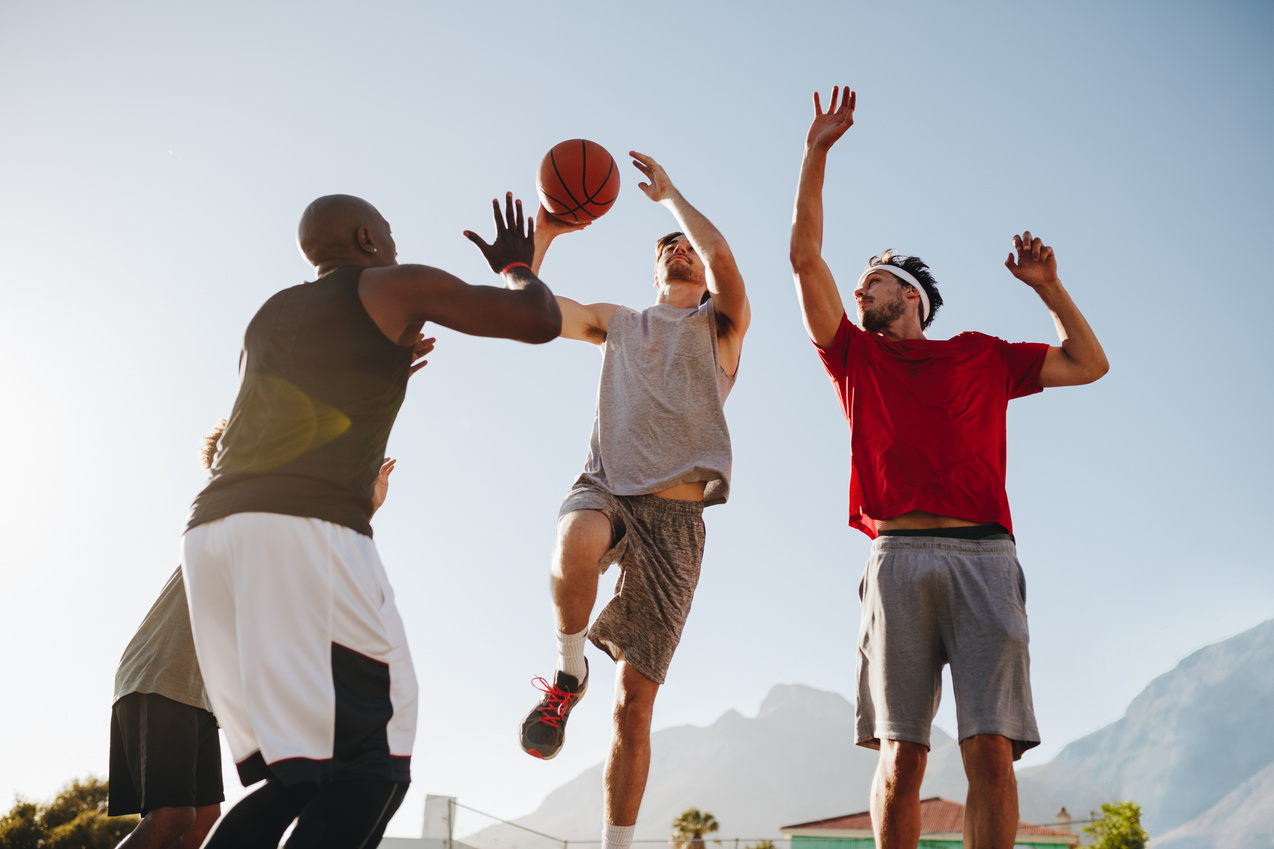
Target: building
pixel 941 827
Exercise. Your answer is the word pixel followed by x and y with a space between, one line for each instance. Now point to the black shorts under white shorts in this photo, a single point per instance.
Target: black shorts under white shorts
pixel 164 754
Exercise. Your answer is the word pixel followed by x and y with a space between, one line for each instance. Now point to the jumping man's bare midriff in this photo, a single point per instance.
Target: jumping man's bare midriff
pixel 922 520
pixel 692 491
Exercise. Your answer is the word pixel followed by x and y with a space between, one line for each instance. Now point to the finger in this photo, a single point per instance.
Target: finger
pixel 642 168
pixel 499 222
pixel 530 229
pixel 1037 246
pixel 1010 263
pixel 418 366
pixel 509 216
pixel 852 101
pixel 1047 254
pixel 1017 243
pixel 818 107
pixel 477 240
pixel 642 157
pixel 831 104
pixel 521 223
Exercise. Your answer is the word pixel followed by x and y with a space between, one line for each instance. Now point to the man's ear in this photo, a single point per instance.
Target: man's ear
pixel 363 238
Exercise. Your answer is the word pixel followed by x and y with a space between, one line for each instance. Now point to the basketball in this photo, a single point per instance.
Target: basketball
pixel 578 181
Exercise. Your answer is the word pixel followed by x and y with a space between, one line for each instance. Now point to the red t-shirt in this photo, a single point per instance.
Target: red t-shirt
pixel 926 421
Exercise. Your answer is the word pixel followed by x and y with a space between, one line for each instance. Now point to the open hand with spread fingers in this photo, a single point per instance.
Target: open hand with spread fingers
pixel 1035 265
pixel 660 186
pixel 514 237
pixel 829 126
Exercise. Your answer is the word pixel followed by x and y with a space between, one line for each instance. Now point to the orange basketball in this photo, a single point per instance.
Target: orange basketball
pixel 577 181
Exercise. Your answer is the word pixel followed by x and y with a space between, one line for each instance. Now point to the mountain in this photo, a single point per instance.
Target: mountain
pixel 1188 741
pixel 1245 817
pixel 1195 749
pixel 795 761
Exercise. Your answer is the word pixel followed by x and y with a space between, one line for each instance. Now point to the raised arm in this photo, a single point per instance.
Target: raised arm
pixel 400 298
pixel 821 304
pixel 585 322
pixel 725 283
pixel 1080 359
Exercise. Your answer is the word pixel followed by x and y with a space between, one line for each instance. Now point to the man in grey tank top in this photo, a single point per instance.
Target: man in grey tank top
pixel 660 453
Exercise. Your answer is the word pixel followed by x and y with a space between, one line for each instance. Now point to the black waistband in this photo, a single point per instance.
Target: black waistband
pixel 992 531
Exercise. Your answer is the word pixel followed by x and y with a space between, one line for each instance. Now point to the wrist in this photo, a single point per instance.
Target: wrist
pixel 514 265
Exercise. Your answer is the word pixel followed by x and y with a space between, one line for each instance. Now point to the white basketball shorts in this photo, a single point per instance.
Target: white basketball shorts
pixel 301 648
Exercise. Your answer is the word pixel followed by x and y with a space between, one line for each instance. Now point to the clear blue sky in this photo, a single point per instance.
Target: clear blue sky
pixel 154 159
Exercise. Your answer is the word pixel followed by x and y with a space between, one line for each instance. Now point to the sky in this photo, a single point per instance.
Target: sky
pixel 155 158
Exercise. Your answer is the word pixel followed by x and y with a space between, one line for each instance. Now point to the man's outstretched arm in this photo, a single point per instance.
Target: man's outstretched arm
pixel 403 297
pixel 585 322
pixel 821 304
pixel 1080 359
pixel 725 283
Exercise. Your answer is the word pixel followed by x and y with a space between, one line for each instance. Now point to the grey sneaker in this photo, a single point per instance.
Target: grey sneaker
pixel 544 729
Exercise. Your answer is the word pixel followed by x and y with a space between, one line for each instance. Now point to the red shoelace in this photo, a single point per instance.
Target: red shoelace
pixel 556 702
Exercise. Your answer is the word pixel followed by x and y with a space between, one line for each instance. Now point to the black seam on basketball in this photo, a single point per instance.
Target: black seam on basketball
pixel 592 197
pixel 553 159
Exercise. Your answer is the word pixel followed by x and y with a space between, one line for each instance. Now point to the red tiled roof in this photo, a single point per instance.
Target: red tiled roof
pixel 937 815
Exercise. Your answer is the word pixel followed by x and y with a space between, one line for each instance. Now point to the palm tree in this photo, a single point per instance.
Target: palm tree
pixel 689 828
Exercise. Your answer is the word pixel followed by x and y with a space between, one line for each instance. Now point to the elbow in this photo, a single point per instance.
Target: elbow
pixel 546 328
pixel 802 258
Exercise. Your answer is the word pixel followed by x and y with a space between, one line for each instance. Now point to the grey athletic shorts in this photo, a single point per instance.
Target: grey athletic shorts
pixel 658 544
pixel 929 601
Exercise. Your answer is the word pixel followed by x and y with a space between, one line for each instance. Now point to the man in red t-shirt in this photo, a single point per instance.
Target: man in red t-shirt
pixel 942 584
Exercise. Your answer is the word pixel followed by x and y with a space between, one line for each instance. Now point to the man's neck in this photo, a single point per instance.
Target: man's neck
pixel 902 330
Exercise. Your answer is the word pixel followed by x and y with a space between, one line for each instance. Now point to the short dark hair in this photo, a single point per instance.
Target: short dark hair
pixel 665 241
pixel 914 266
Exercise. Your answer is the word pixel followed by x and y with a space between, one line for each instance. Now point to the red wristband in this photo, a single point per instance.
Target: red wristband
pixel 515 265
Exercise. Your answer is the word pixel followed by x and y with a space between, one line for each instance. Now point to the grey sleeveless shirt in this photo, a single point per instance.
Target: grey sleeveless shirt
pixel 659 418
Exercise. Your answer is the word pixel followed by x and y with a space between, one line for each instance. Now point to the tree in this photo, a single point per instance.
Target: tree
pixel 1119 827
pixel 689 828
pixel 764 844
pixel 76 819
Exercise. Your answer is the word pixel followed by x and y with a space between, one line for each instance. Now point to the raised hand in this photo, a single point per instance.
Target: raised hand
pixel 829 126
pixel 422 349
pixel 514 239
pixel 1035 265
pixel 380 490
pixel 660 186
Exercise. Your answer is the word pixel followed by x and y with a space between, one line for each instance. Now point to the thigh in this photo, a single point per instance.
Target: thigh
pixel 165 750
pixel 900 654
pixel 644 622
pixel 349 814
pixel 990 650
pixel 209 789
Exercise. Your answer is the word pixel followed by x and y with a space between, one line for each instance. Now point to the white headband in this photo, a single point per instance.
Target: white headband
pixel 905 276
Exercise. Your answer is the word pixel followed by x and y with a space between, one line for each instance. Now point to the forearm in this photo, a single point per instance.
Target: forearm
pixel 807 218
pixel 542 318
pixel 702 233
pixel 1078 341
pixel 543 238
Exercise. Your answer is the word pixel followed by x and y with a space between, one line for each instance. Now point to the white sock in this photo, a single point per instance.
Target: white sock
pixel 570 654
pixel 617 836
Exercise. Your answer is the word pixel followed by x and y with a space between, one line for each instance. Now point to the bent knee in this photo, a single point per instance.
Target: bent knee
pixel 584 532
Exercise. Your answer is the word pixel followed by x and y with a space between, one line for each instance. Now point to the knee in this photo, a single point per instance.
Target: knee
pixel 582 536
pixel 988 759
pixel 634 708
pixel 902 763
pixel 176 819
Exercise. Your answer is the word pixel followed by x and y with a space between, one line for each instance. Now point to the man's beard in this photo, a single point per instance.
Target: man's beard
pixel 682 273
pixel 878 317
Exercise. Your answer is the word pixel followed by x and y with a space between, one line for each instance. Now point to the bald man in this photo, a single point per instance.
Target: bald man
pixel 295 627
